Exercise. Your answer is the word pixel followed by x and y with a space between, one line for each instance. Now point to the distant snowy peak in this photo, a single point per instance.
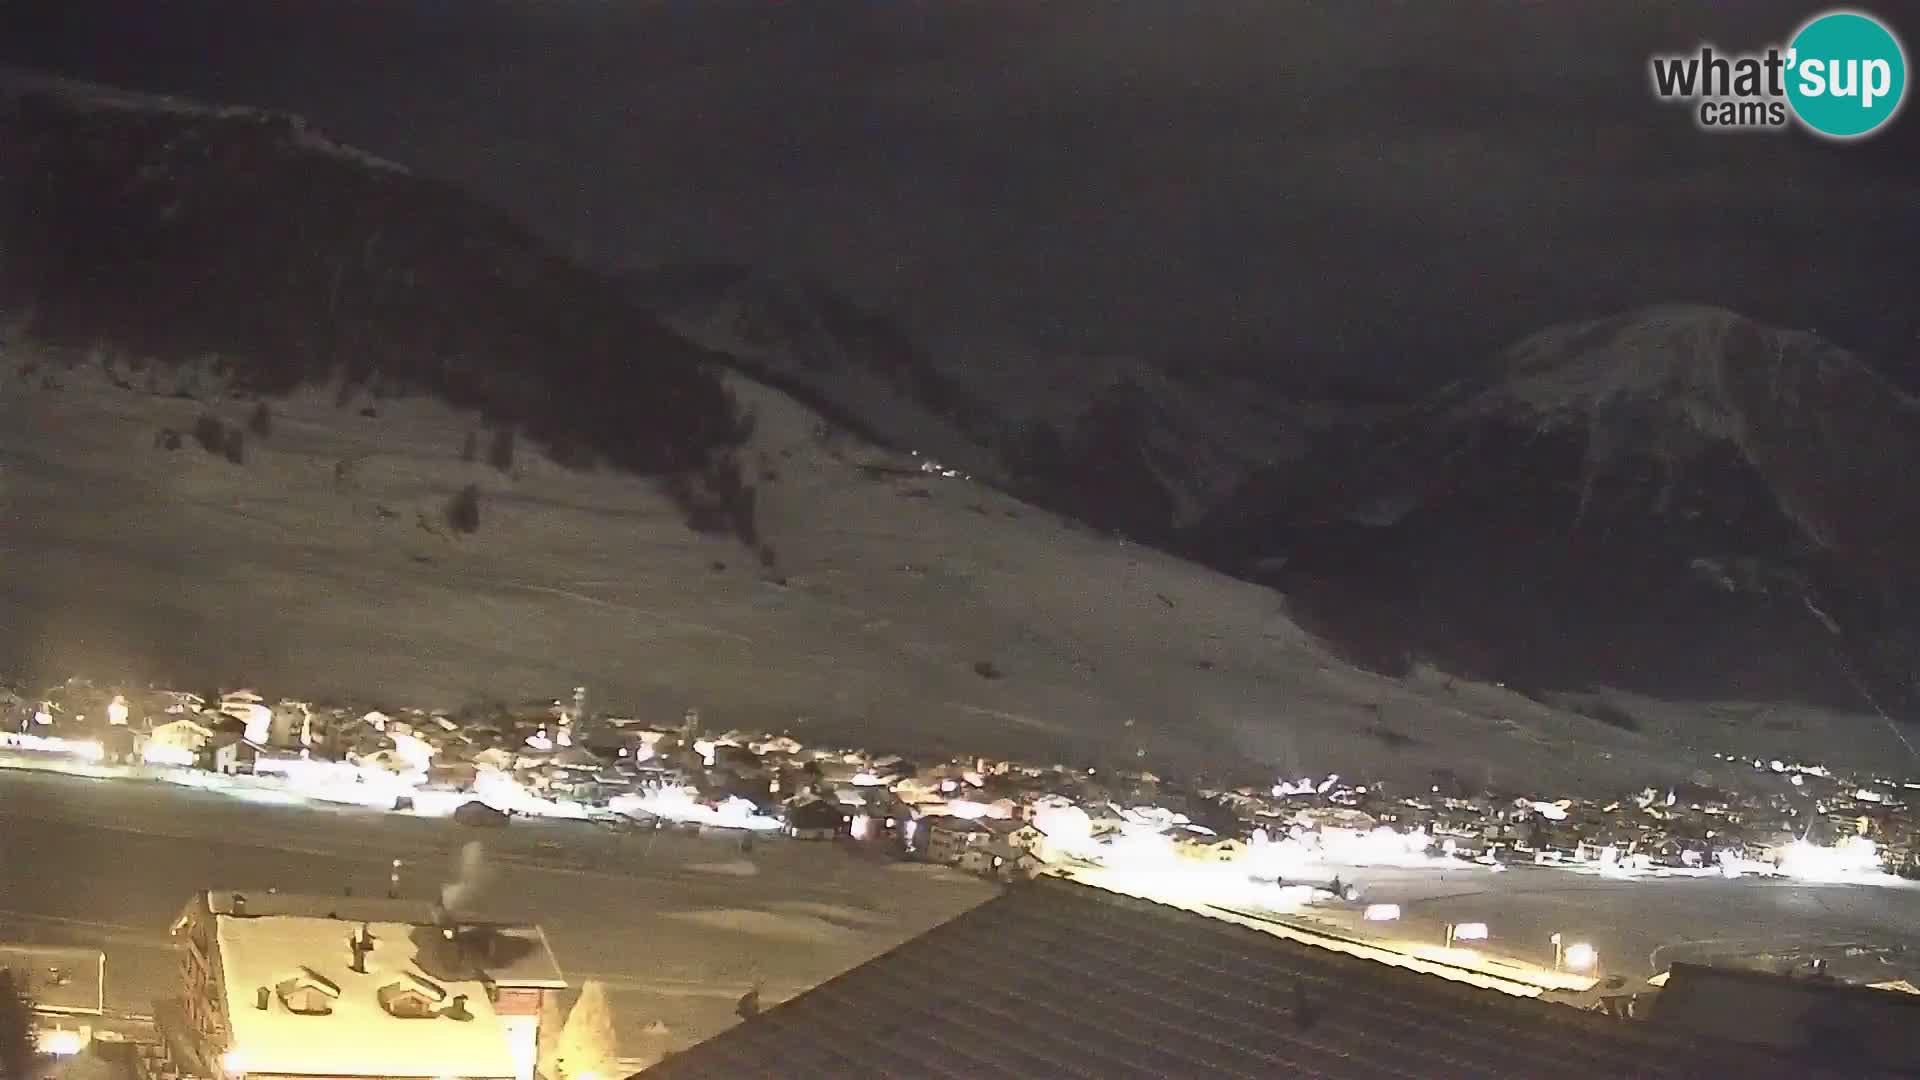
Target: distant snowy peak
pixel 1674 384
pixel 1673 398
pixel 1705 366
pixel 1678 500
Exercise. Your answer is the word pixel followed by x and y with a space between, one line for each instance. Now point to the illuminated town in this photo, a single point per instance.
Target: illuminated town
pixel 1341 861
pixel 672 541
pixel 557 759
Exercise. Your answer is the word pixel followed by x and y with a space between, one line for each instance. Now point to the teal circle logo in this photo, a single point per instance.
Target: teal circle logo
pixel 1846 75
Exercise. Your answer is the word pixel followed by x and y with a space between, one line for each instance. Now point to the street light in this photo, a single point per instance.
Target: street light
pixel 1580 956
pixel 1466 931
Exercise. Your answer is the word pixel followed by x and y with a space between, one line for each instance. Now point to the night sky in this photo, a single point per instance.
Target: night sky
pixel 1382 189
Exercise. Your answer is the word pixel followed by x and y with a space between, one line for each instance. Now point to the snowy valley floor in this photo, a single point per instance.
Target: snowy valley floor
pixel 322 566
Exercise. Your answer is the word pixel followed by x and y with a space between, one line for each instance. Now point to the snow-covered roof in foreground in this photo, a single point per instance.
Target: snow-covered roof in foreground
pixel 358 1037
pixel 531 966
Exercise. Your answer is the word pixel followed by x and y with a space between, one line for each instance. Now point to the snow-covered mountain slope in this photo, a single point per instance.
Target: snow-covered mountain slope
pixel 1110 440
pixel 854 365
pixel 1678 500
pixel 1829 438
pixel 322 565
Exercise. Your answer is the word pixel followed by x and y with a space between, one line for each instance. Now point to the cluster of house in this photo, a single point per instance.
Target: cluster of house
pixel 995 817
pixel 528 748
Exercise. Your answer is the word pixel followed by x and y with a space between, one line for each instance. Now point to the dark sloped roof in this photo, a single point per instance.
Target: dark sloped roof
pixel 1060 979
pixel 1859 1027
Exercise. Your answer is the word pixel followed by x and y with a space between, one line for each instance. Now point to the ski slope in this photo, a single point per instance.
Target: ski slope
pixel 322 567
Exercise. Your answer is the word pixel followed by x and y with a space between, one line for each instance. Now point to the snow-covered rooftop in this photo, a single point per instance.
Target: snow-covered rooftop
pixel 358 1036
pixel 525 961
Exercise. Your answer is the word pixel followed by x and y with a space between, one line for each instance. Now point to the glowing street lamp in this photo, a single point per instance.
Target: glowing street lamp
pixel 1466 931
pixel 1581 956
pixel 1578 956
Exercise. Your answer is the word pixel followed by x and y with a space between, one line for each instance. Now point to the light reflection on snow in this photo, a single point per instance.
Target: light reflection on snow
pixel 1852 859
pixel 678 804
pixel 82 749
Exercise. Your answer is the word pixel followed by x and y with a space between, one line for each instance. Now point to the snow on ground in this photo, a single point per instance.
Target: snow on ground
pixel 802 929
pixel 1638 926
pixel 733 868
pixel 322 566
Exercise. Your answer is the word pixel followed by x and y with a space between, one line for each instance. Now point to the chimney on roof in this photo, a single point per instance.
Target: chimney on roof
pixel 239 903
pixel 261 996
pixel 359 949
pixel 458 1010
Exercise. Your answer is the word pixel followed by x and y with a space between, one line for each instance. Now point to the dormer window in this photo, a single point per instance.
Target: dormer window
pixel 411 997
pixel 307 993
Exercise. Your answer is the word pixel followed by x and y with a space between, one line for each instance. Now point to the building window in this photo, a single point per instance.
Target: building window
pixel 411 999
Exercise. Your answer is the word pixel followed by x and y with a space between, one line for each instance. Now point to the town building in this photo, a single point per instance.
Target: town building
pixel 811 818
pixel 181 741
pixel 999 861
pixel 1015 832
pixel 283 985
pixel 945 837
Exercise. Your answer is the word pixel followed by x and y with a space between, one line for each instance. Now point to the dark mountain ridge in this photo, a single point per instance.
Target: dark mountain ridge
pixel 1677 501
pixel 169 234
pixel 1125 445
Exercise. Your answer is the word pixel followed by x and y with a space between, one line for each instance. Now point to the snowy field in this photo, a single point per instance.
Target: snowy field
pixel 1637 927
pixel 1641 927
pixel 678 926
pixel 1567 934
pixel 322 566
